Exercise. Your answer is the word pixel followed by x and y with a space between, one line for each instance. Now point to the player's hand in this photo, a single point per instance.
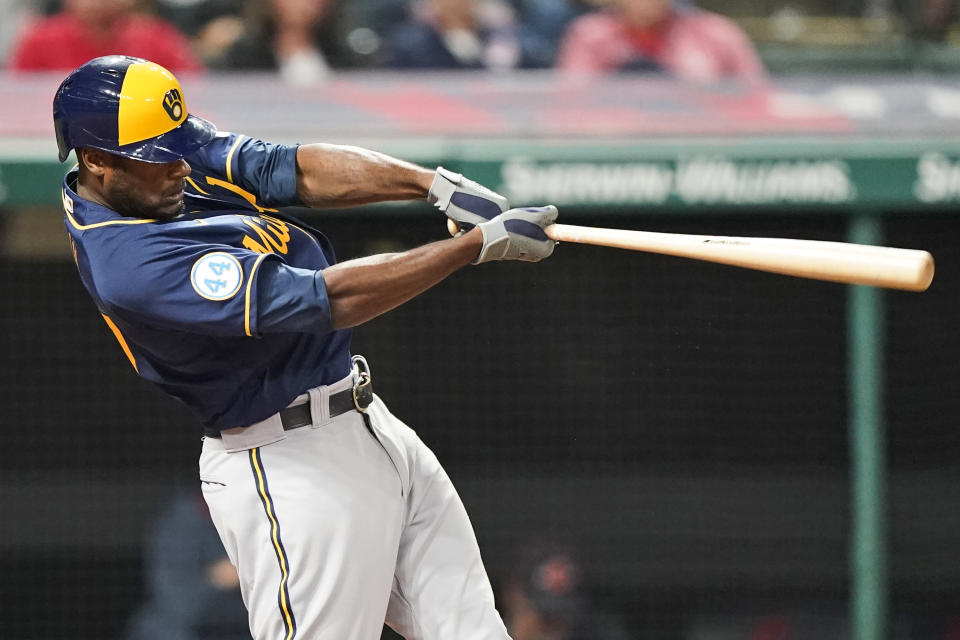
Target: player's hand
pixel 518 234
pixel 464 201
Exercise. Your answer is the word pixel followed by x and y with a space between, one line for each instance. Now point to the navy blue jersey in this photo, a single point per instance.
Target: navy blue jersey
pixel 223 307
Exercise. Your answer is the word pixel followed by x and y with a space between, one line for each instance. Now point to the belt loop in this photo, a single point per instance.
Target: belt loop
pixel 319 406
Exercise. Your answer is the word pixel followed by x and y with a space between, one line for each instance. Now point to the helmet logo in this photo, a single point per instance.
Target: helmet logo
pixel 173 104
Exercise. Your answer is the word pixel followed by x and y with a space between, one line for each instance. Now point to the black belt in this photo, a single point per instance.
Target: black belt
pixel 299 415
pixel 358 397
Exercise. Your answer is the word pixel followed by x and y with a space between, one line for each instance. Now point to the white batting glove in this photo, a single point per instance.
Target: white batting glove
pixel 518 234
pixel 466 202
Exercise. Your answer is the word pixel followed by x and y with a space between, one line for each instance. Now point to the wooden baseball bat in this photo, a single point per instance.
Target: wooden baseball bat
pixel 907 269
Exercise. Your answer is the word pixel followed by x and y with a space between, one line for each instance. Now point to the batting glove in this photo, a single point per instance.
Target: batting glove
pixel 464 201
pixel 518 234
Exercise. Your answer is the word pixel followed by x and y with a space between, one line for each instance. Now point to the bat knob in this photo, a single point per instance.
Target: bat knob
pixel 452 227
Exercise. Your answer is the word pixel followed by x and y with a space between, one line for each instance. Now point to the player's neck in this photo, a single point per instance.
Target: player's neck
pixel 88 189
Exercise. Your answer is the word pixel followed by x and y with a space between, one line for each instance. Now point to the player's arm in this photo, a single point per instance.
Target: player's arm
pixel 362 289
pixel 355 291
pixel 329 175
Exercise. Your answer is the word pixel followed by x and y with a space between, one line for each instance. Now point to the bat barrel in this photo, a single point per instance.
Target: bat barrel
pixel 906 269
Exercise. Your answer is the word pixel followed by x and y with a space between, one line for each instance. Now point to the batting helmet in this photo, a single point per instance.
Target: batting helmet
pixel 129 107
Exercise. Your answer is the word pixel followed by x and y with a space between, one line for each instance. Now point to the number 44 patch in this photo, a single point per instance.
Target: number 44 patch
pixel 216 276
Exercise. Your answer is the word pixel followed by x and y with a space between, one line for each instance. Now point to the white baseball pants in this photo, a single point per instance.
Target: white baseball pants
pixel 334 530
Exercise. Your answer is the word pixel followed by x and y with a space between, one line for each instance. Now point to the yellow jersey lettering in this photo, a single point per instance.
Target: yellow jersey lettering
pixel 270 235
pixel 254 246
pixel 279 228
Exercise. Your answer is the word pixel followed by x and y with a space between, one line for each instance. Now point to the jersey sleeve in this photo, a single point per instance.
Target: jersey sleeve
pixel 292 299
pixel 265 170
pixel 216 290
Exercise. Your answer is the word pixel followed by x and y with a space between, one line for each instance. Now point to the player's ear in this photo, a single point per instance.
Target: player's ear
pixel 94 161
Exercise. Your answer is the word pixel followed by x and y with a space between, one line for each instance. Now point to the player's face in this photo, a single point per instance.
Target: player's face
pixel 145 189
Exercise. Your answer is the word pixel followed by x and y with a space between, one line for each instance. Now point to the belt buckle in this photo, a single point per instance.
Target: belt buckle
pixel 363 385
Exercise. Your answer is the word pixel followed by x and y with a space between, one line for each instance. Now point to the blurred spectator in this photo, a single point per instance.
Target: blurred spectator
pixel 298 56
pixel 661 36
pixel 16 13
pixel 457 34
pixel 542 599
pixel 226 34
pixel 929 19
pixel 189 16
pixel 543 23
pixel 86 29
pixel 302 39
pixel 193 591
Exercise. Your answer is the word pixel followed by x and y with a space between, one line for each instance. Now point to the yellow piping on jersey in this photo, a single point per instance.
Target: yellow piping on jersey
pixel 288 621
pixel 246 306
pixel 84 227
pixel 196 186
pixel 121 340
pixel 230 157
pixel 240 191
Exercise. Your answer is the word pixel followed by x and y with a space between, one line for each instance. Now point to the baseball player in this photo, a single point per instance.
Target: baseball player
pixel 336 516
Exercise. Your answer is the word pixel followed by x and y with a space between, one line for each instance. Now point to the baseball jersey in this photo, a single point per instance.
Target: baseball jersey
pixel 223 307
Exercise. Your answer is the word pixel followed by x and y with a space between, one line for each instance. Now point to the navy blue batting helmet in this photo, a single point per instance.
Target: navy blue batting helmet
pixel 129 107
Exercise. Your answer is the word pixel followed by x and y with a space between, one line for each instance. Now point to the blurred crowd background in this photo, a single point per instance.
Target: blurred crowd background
pixel 305 39
pixel 681 464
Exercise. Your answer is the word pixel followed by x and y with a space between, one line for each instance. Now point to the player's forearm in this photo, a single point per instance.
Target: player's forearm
pixel 362 289
pixel 341 176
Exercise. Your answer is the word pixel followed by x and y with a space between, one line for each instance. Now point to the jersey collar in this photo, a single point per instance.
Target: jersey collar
pixel 82 214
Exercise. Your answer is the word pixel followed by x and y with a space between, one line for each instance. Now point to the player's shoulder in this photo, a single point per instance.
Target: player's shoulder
pixel 242 172
pixel 220 156
pixel 132 242
pixel 215 153
pixel 132 263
